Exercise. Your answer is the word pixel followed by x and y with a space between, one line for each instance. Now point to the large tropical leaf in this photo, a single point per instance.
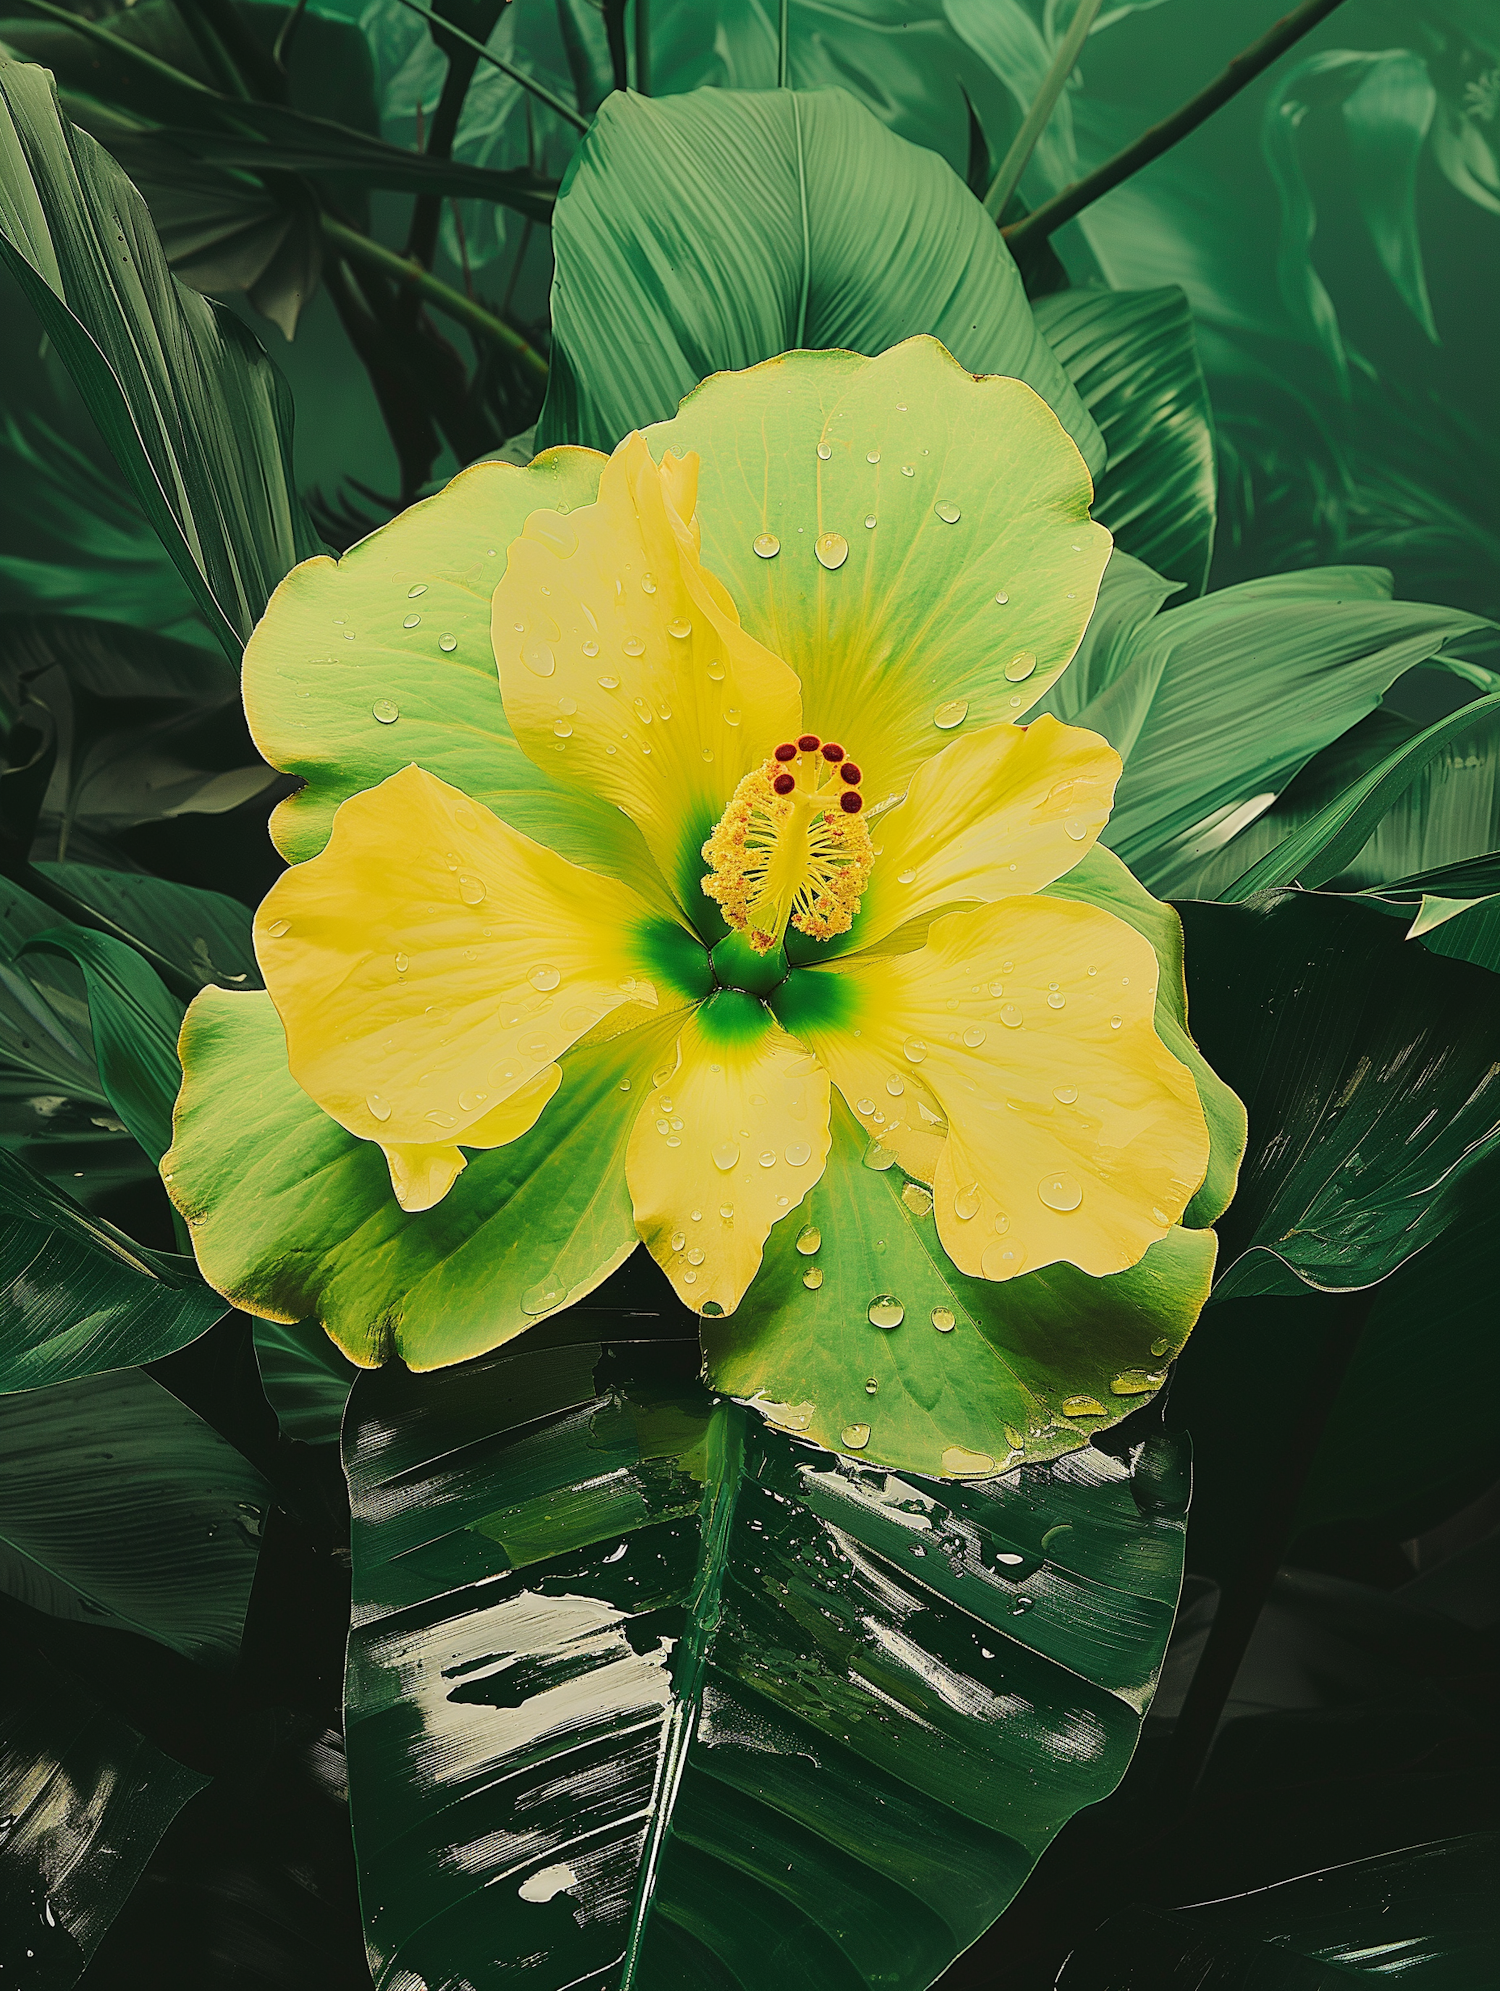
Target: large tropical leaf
pixel 198 419
pixel 1368 1070
pixel 1425 1913
pixel 196 937
pixel 78 1296
pixel 84 1799
pixel 643 1692
pixel 120 1507
pixel 708 232
pixel 1134 360
pixel 49 1080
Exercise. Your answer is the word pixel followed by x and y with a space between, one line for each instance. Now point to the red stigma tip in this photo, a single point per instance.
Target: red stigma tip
pixel 831 752
pixel 783 784
pixel 851 801
pixel 786 751
pixel 808 742
pixel 849 772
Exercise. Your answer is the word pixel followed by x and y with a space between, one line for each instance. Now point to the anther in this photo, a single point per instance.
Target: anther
pixel 787 750
pixel 808 742
pixel 784 784
pixel 832 752
pixel 850 773
pixel 851 801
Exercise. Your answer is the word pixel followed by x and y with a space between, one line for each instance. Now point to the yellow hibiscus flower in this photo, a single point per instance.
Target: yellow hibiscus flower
pixel 744 884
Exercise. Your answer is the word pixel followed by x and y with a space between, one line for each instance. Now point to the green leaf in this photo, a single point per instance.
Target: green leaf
pixel 1387 118
pixel 119 1507
pixel 201 937
pixel 1216 705
pixel 135 1024
pixel 306 1379
pixel 49 1081
pixel 710 232
pixel 638 1677
pixel 78 1296
pixel 1425 1912
pixel 84 1799
pixel 1367 1068
pixel 198 419
pixel 1133 357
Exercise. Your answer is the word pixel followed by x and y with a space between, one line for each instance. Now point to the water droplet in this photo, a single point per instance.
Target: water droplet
pixel 870 522
pixel 950 714
pixel 944 1319
pixel 731 715
pixel 1011 1017
pixel 824 451
pixel 1160 1347
pixel 1065 1094
pixel 1020 667
pixel 809 1238
pixel 274 929
pixel 679 627
pixel 768 1159
pixel 726 1210
pixel 974 1036
pixel 563 728
pixel 590 646
pixel 967 1203
pixel 864 1106
pixel 412 622
pixel 448 641
pixel 624 1085
pixel 1076 828
pixel 648 585
pixel 917 1199
pixel 471 889
pixel 442 1119
pixel 767 545
pixel 908 470
pixel 385 711
pixel 716 670
pixel 1002 597
pixel 1081 1406
pixel 726 1156
pixel 1060 1192
pixel 832 550
pixel 568 705
pixel 947 511
pixel 906 877
pixel 1056 999
pixel 1130 1382
pixel 1001 1261
pixel 678 1240
pixel 609 683
pixel 538 658
pixel 695 1256
pixel 879 1158
pixel 544 978
pixel 642 711
pixel 915 1050
pixel 872 1385
pixel 812 1278
pixel 419 589
pixel 855 1436
pixel 633 647
pixel 885 1311
pixel 549 529
pixel 895 1085
pixel 378 1106
pixel 402 964
pixel 798 1154
pixel 663 710
pixel 1116 1022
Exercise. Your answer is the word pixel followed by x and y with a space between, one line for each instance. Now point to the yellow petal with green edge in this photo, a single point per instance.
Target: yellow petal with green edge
pixel 623 666
pixel 362 665
pixel 1101 879
pixel 1073 1133
pixel 292 1218
pixel 975 491
pixel 1003 810
pixel 734 1137
pixel 431 962
pixel 423 1173
pixel 973 1378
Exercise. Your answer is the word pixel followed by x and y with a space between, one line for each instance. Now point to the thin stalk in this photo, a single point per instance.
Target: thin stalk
pixel 538 90
pixel 1243 69
pixel 1245 1595
pixel 1014 164
pixel 453 303
pixel 782 45
pixel 281 48
pixel 643 47
pixel 220 67
pixel 150 65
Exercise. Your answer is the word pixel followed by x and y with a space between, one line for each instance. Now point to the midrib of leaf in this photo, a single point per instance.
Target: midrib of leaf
pixel 724 1458
pixel 800 340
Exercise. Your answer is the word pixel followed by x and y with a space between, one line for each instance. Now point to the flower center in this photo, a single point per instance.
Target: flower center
pixel 792 846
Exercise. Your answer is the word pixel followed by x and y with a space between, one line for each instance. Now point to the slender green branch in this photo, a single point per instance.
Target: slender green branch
pixel 1244 68
pixel 149 64
pixel 782 45
pixel 1013 165
pixel 538 90
pixel 362 249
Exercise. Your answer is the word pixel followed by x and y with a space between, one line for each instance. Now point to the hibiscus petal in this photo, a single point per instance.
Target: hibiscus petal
pixel 431 963
pixel 936 564
pixel 1074 1135
pixel 734 1137
pixel 623 666
pixel 422 1174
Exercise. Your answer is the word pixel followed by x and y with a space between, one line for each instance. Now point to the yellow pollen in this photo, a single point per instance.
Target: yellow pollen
pixel 797 857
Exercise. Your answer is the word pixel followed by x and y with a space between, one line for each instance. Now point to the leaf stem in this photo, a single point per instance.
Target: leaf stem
pixel 363 249
pixel 1013 165
pixel 1243 69
pixel 782 44
pixel 538 90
